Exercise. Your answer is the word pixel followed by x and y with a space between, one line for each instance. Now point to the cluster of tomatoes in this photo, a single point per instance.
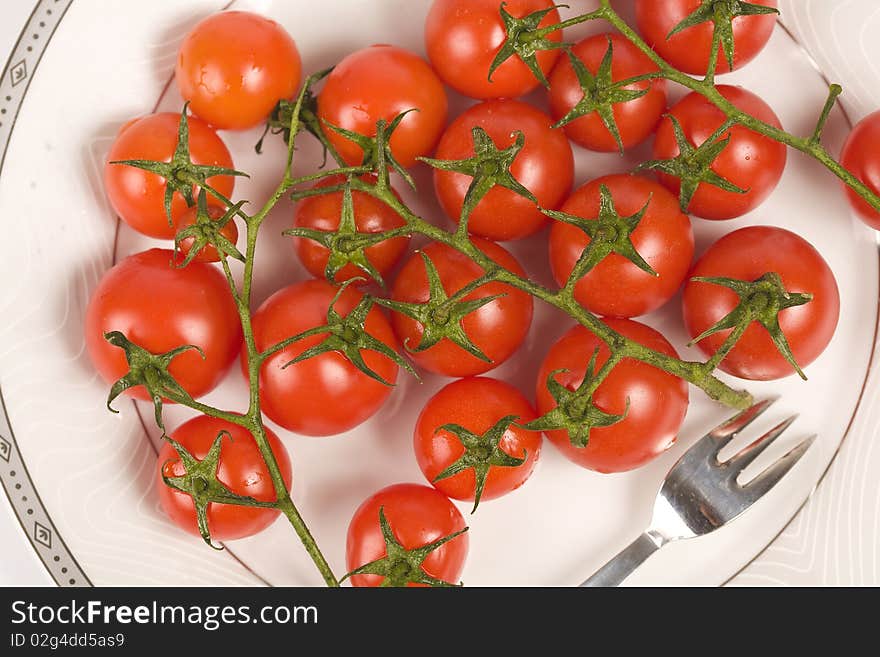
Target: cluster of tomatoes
pixel 471 440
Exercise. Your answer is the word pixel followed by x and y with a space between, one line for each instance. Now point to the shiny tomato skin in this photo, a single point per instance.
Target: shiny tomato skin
pixel 161 307
pixel 138 196
pixel 859 155
pixel 209 252
pixel 418 515
pixel 381 82
pixel 545 166
pixel 635 119
pixel 463 37
pixel 748 254
pixel 234 67
pixel 371 216
pixel 241 469
pixel 689 50
pixel 325 394
pixel 616 287
pixel 658 400
pixel 475 403
pixel 498 328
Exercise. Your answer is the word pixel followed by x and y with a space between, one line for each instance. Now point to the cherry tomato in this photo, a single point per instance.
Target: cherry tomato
pixel 463 37
pixel 138 196
pixel 241 469
pixel 657 400
pixel 324 394
pixel 748 254
pixel 160 307
pixel 545 166
pixel 476 404
pixel 860 157
pixel 751 161
pixel 370 215
pixel 663 238
pixel 381 82
pixel 689 50
pixel 209 252
pixel 235 66
pixel 635 119
pixel 497 329
pixel 418 515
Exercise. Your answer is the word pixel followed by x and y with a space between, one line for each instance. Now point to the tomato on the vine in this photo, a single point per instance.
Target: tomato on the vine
pixel 138 196
pixel 235 66
pixel 663 239
pixel 381 82
pixel 651 403
pixel 241 469
pixel 188 218
pixel 463 37
pixel 490 410
pixel 545 166
pixel 860 156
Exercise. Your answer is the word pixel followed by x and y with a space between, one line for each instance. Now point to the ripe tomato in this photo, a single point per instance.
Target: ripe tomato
pixel 138 196
pixel 235 66
pixel 242 470
pixel 689 50
pixel 370 215
pixel 418 515
pixel 497 329
pixel 476 404
pixel 751 161
pixel 380 82
pixel 545 166
pixel 748 254
pixel 658 400
pixel 325 394
pixel 859 155
pixel 209 252
pixel 663 238
pixel 635 119
pixel 463 37
pixel 161 307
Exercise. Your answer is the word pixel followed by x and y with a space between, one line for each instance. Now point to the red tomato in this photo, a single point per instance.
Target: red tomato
pixel 242 470
pixel 616 286
pixel 497 329
pixel 463 37
pixel 325 394
pixel 859 155
pixel 161 307
pixel 476 404
pixel 635 119
pixel 751 161
pixel 418 515
pixel 545 166
pixel 381 82
pixel 235 66
pixel 748 254
pixel 689 50
pixel 209 252
pixel 138 196
pixel 370 215
pixel 658 400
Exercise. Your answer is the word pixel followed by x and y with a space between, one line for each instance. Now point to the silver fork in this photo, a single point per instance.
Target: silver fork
pixel 700 493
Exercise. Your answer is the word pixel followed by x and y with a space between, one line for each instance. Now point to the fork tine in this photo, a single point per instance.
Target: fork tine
pixel 746 455
pixel 771 476
pixel 727 431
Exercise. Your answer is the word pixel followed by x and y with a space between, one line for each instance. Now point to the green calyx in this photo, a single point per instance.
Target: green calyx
pixel 207 231
pixel 480 453
pixel 525 39
pixel 181 174
pixel 600 94
pixel 761 301
pixel 721 13
pixel 151 371
pixel 575 411
pixel 441 315
pixel 200 482
pixel 400 566
pixel 693 165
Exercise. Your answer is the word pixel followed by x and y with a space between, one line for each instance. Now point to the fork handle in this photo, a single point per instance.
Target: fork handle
pixel 626 561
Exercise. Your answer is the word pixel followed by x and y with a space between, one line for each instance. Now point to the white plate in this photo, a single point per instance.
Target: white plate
pixel 89 475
